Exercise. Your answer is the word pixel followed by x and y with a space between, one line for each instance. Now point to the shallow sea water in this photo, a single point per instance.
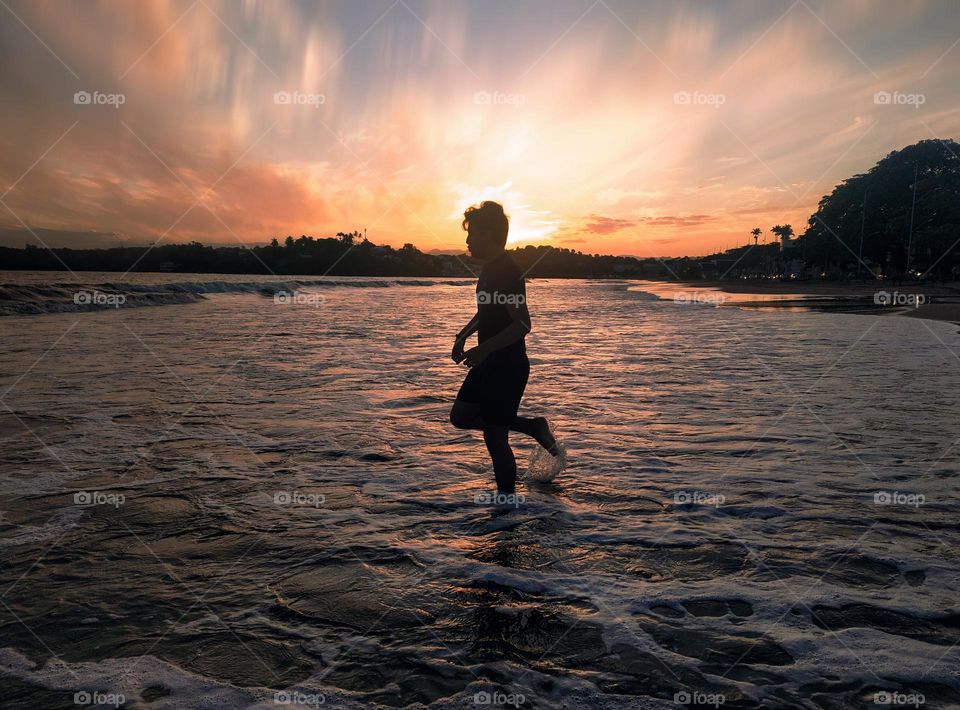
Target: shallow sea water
pixel 203 505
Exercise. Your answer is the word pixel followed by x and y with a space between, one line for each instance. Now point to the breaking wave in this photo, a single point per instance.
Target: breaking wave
pixel 29 299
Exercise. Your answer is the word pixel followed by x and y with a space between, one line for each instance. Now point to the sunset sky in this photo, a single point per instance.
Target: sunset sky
pixel 574 114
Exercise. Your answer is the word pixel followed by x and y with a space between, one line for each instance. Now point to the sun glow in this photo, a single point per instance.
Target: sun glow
pixel 526 223
pixel 561 115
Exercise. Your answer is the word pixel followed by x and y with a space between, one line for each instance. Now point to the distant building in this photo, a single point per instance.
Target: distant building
pixel 717 268
pixel 793 269
pixel 655 268
pixel 626 269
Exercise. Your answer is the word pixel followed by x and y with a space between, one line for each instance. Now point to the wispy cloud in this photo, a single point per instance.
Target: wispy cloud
pixel 598 224
pixel 399 114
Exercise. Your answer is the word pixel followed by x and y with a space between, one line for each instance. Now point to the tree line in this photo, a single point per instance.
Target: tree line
pixel 901 219
pixel 346 254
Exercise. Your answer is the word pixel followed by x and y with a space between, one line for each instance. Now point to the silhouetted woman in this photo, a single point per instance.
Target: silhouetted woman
pixel 490 395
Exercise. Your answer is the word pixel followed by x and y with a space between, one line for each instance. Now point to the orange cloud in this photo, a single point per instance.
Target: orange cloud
pixel 599 224
pixel 411 120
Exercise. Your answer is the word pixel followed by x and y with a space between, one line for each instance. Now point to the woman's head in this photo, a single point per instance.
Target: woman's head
pixel 486 228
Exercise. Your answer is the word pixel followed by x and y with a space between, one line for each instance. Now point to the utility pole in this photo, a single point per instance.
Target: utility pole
pixel 863 221
pixel 912 205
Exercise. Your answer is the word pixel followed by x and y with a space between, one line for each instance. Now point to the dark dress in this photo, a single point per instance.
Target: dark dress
pixel 497 383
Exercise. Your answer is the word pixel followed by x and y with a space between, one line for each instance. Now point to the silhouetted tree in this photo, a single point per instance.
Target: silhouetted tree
pixel 833 232
pixel 784 231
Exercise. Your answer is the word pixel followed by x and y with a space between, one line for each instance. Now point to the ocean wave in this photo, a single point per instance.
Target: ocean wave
pixel 320 459
pixel 31 299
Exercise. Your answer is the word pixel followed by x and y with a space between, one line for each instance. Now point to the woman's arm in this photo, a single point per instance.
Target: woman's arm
pixel 470 328
pixel 458 344
pixel 518 328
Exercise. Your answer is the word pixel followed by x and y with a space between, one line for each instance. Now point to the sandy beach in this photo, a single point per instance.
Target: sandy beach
pixel 932 302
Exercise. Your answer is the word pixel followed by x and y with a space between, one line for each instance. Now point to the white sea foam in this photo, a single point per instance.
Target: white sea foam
pixel 719 500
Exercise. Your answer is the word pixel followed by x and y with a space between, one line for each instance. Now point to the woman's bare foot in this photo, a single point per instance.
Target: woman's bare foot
pixel 543 435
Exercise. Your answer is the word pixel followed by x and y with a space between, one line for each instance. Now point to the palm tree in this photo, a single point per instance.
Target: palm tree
pixel 782 231
pixel 756 232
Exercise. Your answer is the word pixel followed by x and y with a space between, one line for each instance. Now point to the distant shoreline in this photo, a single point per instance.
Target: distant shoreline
pixel 941 303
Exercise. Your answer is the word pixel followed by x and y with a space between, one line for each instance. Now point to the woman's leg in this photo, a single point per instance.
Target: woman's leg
pixel 537 428
pixel 466 415
pixel 497 439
